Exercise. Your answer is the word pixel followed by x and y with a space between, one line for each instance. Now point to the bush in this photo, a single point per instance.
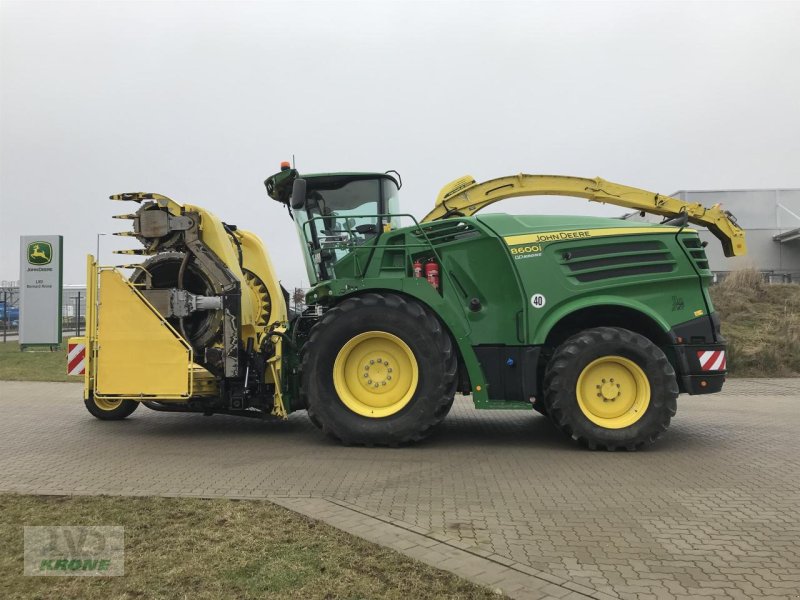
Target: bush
pixel 761 322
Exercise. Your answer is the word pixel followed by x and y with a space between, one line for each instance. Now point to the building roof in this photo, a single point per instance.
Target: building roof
pixel 793 235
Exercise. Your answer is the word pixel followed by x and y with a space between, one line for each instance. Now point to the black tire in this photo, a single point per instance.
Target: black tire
pixel 570 360
pixel 432 349
pixel 122 409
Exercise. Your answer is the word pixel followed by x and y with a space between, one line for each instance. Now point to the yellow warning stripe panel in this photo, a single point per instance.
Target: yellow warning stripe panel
pixel 583 234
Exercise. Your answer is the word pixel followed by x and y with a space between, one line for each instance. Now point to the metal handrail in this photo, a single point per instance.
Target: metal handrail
pixel 350 246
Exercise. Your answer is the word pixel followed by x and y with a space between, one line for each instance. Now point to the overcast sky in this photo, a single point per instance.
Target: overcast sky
pixel 201 101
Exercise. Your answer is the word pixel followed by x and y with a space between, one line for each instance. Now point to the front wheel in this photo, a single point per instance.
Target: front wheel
pixel 610 388
pixel 110 410
pixel 378 369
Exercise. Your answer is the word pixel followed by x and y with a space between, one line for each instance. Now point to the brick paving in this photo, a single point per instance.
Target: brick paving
pixel 500 497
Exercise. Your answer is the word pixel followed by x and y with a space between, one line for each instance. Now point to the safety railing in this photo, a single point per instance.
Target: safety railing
pixel 348 240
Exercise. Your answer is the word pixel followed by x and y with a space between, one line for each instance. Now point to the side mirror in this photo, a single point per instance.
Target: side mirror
pixel 298 193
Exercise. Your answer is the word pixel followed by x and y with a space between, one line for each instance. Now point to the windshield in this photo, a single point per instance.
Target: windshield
pixel 342 212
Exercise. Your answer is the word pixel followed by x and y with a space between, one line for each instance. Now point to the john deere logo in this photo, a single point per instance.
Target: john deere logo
pixel 40 253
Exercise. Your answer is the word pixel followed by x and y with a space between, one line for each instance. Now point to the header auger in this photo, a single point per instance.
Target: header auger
pixel 597 323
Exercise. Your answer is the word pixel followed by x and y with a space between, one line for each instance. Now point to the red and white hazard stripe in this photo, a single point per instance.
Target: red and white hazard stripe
pixel 76 359
pixel 711 360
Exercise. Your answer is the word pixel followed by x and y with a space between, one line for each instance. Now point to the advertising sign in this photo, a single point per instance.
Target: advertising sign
pixel 40 290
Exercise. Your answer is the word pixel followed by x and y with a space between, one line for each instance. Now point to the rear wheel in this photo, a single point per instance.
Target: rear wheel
pixel 110 410
pixel 610 388
pixel 378 370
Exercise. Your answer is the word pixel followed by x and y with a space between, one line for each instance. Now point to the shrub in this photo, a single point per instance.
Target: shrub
pixel 761 322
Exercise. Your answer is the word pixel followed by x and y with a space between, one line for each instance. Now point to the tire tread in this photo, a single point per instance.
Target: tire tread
pixel 562 414
pixel 443 393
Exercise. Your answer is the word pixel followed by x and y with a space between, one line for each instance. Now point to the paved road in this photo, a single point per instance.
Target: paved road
pixel 712 510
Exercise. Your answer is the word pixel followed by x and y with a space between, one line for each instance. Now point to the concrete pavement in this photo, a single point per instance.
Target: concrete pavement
pixel 712 510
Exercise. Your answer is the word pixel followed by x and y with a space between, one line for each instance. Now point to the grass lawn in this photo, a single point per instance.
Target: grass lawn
pixel 195 548
pixel 761 323
pixel 39 365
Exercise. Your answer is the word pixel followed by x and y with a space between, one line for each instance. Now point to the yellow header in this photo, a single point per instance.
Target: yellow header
pixel 583 234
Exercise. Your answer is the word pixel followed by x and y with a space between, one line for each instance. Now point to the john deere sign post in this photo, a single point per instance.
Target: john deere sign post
pixel 40 290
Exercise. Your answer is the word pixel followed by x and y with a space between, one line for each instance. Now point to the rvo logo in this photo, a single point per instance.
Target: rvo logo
pixel 75 541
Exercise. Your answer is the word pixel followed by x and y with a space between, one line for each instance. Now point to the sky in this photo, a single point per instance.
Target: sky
pixel 200 101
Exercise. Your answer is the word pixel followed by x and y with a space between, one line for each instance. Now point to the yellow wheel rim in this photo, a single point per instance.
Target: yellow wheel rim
pixel 105 404
pixel 613 392
pixel 375 374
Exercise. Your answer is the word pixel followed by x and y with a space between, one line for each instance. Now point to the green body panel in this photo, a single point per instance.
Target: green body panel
pixel 668 298
pixel 477 263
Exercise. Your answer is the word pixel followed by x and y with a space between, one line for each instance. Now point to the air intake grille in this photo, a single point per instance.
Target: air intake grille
pixel 610 261
pixel 696 251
